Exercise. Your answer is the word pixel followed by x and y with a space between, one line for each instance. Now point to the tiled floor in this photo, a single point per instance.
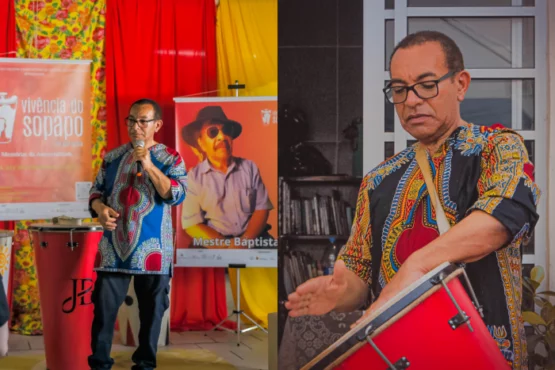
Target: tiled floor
pixel 250 355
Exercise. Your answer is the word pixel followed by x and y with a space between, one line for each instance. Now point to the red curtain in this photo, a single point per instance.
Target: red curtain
pixel 161 49
pixel 158 49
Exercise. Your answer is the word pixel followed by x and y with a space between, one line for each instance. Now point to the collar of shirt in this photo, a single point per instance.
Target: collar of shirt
pixel 206 167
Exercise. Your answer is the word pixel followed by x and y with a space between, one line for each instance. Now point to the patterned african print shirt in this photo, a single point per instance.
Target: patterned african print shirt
pixel 477 168
pixel 142 242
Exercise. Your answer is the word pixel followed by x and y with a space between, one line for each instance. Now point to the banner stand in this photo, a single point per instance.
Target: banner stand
pixel 249 119
pixel 238 312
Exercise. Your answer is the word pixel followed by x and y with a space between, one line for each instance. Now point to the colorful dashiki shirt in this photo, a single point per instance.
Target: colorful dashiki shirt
pixel 477 168
pixel 142 242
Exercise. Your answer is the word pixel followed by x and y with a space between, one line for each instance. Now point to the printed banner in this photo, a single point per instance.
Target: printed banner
pixel 229 215
pixel 45 138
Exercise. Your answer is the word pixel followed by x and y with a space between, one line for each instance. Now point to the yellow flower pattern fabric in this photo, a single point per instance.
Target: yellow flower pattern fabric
pixel 26 317
pixel 57 29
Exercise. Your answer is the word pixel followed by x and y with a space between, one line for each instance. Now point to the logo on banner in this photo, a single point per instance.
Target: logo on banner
pixel 55 118
pixel 268 116
pixel 8 107
pixel 80 296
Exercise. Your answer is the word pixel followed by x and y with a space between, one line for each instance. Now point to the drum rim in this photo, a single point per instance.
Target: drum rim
pixel 401 302
pixel 51 228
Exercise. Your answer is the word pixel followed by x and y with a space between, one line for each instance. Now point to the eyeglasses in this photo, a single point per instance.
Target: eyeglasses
pixel 424 90
pixel 213 131
pixel 142 122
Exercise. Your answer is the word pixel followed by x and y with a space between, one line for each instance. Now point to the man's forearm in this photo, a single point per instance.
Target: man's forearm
pixel 161 182
pixel 97 205
pixel 472 239
pixel 355 295
pixel 256 224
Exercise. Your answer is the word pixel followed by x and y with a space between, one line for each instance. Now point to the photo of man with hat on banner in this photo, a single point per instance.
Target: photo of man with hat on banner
pixel 227 204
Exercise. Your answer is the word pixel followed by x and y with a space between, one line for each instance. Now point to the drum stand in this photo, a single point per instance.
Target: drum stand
pixel 238 312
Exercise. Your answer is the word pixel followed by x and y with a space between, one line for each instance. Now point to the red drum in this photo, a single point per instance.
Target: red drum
pixel 65 258
pixel 431 325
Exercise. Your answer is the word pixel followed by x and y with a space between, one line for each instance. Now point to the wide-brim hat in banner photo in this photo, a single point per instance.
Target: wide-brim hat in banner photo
pixel 211 113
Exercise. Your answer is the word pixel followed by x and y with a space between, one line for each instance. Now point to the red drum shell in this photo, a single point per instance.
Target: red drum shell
pixel 66 281
pixel 422 334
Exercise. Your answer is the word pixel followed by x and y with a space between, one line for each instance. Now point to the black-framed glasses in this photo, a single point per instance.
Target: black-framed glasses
pixel 213 131
pixel 130 121
pixel 424 90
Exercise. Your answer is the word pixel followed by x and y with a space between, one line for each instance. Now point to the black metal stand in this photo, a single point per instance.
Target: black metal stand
pixel 236 87
pixel 238 312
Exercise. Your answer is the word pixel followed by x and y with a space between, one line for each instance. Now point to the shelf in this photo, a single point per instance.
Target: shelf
pixel 336 179
pixel 314 237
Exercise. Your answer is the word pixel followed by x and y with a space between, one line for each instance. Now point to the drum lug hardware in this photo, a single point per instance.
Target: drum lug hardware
pixel 72 245
pixel 458 320
pixel 44 244
pixel 462 315
pixel 477 305
pixel 401 364
pixel 369 330
pixel 438 279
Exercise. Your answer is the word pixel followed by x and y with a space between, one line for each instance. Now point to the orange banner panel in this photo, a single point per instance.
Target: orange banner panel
pixel 45 134
pixel 257 143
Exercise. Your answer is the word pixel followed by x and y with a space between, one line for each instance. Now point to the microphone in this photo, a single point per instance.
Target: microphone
pixel 140 144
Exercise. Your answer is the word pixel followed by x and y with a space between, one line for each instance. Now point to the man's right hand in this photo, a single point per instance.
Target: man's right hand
pixel 320 295
pixel 107 217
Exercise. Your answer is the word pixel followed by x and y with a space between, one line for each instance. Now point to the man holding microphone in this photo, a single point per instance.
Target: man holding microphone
pixel 132 197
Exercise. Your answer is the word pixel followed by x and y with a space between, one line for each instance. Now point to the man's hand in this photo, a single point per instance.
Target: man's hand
pixel 409 272
pixel 107 217
pixel 143 155
pixel 320 295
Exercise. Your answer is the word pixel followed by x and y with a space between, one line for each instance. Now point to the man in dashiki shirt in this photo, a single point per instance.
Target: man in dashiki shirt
pixel 134 207
pixel 484 180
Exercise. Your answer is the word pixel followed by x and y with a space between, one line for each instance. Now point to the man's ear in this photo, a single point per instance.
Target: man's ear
pixel 463 82
pixel 159 125
pixel 199 143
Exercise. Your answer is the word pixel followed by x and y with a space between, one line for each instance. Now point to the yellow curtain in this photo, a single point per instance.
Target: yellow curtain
pixel 247 46
pixel 247 53
pixel 60 29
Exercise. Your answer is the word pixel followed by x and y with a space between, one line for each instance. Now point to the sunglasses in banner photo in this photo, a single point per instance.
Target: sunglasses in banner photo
pixel 209 129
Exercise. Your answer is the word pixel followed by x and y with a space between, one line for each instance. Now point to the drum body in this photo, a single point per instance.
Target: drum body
pixel 423 327
pixel 129 322
pixel 6 252
pixel 65 257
